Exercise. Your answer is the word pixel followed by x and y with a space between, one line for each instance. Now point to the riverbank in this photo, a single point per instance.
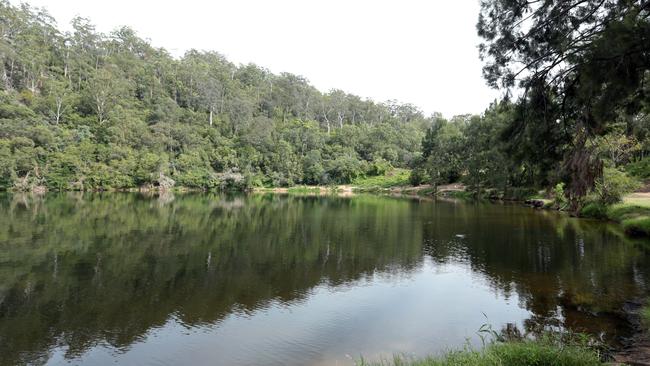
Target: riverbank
pixel 542 352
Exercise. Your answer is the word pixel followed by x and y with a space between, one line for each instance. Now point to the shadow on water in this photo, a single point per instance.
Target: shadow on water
pixel 78 272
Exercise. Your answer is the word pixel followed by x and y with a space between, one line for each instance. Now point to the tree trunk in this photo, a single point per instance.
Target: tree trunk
pixel 59 106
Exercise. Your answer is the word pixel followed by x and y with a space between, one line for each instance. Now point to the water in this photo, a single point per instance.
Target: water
pixel 204 279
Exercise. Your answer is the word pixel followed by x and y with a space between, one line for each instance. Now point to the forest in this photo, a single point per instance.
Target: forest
pixel 83 110
pixel 92 111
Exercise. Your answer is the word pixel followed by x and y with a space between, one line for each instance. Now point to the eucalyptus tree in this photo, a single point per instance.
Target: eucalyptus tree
pixel 106 88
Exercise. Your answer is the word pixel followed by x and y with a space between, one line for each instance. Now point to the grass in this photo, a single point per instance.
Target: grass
pixel 638 226
pixel 393 178
pixel 543 352
pixel 462 195
pixel 303 190
pixel 633 214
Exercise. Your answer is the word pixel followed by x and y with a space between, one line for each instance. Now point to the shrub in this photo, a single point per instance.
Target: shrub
pixel 639 169
pixel 345 168
pixel 418 176
pixel 559 199
pixel 611 187
pixel 594 210
pixel 378 167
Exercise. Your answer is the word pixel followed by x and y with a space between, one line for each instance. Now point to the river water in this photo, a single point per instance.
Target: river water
pixel 201 279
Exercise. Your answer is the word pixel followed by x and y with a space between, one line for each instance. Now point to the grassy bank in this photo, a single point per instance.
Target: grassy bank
pixel 543 352
pixel 392 178
pixel 633 213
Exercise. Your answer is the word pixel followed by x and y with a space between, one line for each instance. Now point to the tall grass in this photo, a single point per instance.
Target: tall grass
pixel 545 351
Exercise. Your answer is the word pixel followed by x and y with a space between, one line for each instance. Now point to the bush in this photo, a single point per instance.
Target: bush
pixel 418 176
pixel 559 199
pixel 344 169
pixel 594 210
pixel 611 187
pixel 378 167
pixel 639 169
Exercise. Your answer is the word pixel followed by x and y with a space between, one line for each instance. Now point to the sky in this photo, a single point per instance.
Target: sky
pixel 422 52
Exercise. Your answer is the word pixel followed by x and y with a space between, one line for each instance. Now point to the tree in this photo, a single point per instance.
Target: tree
pixel 59 98
pixel 442 151
pixel 578 64
pixel 105 89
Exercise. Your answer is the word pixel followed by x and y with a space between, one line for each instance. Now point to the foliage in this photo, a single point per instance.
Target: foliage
pixel 640 168
pixel 594 210
pixel 611 187
pixel 633 215
pixel 638 226
pixel 392 178
pixel 470 149
pixel 83 110
pixel 623 211
pixel 559 198
pixel 541 352
pixel 582 66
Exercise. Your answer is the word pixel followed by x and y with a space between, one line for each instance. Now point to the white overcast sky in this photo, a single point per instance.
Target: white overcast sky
pixel 415 51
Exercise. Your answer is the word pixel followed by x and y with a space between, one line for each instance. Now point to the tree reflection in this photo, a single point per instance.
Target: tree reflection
pixel 76 269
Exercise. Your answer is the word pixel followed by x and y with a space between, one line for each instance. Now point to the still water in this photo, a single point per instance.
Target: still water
pixel 201 279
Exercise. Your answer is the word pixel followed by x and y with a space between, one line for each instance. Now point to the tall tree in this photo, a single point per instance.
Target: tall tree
pixel 577 63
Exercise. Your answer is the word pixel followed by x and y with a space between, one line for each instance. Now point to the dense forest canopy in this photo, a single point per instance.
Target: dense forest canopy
pixel 85 110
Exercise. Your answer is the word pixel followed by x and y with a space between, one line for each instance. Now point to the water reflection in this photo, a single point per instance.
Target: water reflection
pixel 266 279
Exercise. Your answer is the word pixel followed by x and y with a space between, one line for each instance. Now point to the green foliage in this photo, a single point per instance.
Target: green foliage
pixel 392 178
pixel 623 211
pixel 639 169
pixel 594 210
pixel 304 190
pixel 557 52
pixel 541 352
pixel 638 226
pixel 611 187
pixel 93 111
pixel 519 193
pixel 559 198
pixel 470 149
pixel 633 215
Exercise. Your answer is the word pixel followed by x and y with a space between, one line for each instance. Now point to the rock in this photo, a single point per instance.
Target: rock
pixel 165 183
pixel 535 203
